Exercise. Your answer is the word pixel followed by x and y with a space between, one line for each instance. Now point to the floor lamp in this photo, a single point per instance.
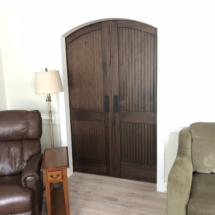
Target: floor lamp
pixel 48 82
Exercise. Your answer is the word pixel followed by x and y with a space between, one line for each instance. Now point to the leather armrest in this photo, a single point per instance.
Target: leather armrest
pixel 32 169
pixel 180 177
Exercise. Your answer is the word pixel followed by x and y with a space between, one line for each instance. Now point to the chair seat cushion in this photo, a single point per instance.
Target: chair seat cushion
pixel 202 196
pixel 14 199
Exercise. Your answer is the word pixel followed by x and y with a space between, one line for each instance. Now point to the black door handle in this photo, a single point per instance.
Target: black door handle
pixel 115 104
pixel 106 103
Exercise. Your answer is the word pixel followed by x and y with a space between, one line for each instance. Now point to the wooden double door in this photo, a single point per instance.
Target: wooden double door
pixel 112 78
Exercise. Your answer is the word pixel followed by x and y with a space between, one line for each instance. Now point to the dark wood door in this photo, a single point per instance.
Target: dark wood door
pixel 87 89
pixel 112 78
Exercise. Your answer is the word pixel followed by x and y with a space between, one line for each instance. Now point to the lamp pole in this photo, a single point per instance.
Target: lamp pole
pixel 48 99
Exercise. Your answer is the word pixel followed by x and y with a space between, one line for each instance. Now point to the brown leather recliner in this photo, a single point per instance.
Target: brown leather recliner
pixel 21 184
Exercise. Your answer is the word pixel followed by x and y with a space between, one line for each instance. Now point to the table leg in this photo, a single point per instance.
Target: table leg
pixel 48 194
pixel 66 191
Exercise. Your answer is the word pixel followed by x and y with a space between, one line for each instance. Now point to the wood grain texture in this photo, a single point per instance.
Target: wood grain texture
pixel 138 143
pixel 87 78
pixel 107 91
pixel 54 166
pixel 88 139
pixel 137 25
pixel 60 199
pixel 53 158
pixel 85 71
pixel 100 195
pixel 89 115
pixel 136 70
pixel 138 94
pixel 139 172
pixel 113 58
pixel 114 146
pixel 83 31
pixel 138 117
pixel 87 165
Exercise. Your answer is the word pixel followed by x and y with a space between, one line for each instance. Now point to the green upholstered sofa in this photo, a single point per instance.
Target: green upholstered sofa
pixel 191 181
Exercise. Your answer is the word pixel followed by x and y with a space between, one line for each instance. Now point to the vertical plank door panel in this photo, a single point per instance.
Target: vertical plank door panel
pixel 138 90
pixel 86 96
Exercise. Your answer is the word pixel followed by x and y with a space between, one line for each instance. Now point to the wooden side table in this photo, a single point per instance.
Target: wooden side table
pixel 54 166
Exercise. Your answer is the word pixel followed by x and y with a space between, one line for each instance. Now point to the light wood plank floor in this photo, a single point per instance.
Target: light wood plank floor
pixel 101 195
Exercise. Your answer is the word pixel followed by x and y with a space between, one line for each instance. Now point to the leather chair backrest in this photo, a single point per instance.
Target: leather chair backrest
pixel 20 133
pixel 203 147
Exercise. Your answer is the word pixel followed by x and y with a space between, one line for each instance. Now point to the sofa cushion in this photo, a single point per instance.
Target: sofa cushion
pixel 14 155
pixel 20 124
pixel 15 199
pixel 202 196
pixel 203 145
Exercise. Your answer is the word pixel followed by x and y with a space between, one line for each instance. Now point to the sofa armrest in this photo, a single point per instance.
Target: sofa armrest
pixel 32 169
pixel 180 177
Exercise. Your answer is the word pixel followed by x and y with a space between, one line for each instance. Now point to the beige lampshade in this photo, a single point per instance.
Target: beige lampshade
pixel 48 82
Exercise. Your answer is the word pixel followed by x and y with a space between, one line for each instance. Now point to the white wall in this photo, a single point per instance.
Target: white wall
pixel 46 136
pixel 31 35
pixel 170 148
pixel 3 100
